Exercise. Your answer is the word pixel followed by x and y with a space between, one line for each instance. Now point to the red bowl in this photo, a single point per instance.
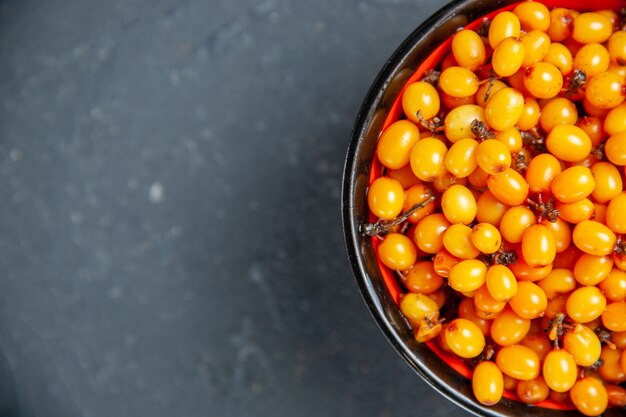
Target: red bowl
pixel 422 50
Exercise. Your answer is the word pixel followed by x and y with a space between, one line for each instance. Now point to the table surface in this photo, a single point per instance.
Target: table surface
pixel 170 178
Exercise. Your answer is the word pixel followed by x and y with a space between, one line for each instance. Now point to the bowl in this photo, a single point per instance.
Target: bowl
pixel 421 50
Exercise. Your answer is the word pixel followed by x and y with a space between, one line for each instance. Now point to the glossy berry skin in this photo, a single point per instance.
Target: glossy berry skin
pixel 458 82
pixel 608 181
pixel 385 198
pixel 422 278
pixel 460 159
pixel 509 329
pixel 568 143
pixel 416 307
pixel 397 252
pixel 589 396
pixel 585 304
pixel 429 232
pixel 504 109
pixel 501 282
pixel 519 362
pixel 614 317
pixel 583 344
pixel 573 184
pixel 464 338
pixel 530 301
pixel 614 285
pixel 616 213
pixel 509 187
pixel 592 59
pixel 538 245
pixel 468 49
pixel 615 149
pixel 591 27
pixel 560 370
pixel 487 383
pixel 420 97
pixel 458 122
pixel 493 157
pixel 467 275
pixel 508 57
pixel 543 80
pixel 503 25
pixel 533 16
pixel 591 270
pixel 457 241
pixel 561 57
pixel 486 238
pixel 515 221
pixel 532 391
pixel 606 90
pixel 558 281
pixel 594 238
pixel 458 204
pixel 428 159
pixel 394 145
pixel 414 195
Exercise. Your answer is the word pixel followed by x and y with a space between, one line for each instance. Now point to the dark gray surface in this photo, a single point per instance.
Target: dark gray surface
pixel 171 240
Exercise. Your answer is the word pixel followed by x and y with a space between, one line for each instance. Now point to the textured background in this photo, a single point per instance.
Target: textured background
pixel 171 241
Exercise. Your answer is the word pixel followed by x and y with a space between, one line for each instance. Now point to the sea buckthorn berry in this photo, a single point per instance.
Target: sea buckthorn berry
pixel 583 344
pixel 487 383
pixel 606 90
pixel 594 111
pixel 573 184
pixel 443 262
pixel 562 233
pixel 394 145
pixel 457 241
pixel 478 178
pixel 532 16
pixel 458 122
pixel 486 90
pixel 561 57
pixel 592 59
pixel 485 303
pixel 591 269
pixel 615 121
pixel 458 204
pixel 504 25
pixel 508 57
pixel 617 47
pixel 441 184
pixel 594 238
pixel 577 211
pixel 617 394
pixel 489 209
pixel 467 275
pixel 611 369
pixel 429 233
pixel 541 171
pixel 464 338
pixel 439 297
pixel 591 27
pixel 512 138
pixel 538 343
pixel 585 304
pixel 593 127
pixel 451 102
pixel 518 361
pixel 532 391
pixel 404 176
pixel 616 213
pixel 515 221
pixel 428 159
pixel 538 246
pixel 558 281
pixel 460 160
pixel 614 317
pixel 560 24
pixel 599 213
pixel 615 148
pixel 501 282
pixel 620 69
pixel 468 49
pixel 525 272
pixel 613 17
pixel 560 371
pixel 510 384
pixel 530 301
pixel 517 82
pixel 458 82
pixel 509 187
pixel 449 61
pixel 568 143
pixel 509 329
pixel 486 238
pixel 555 306
pixel 504 109
pixel 385 198
pixel 420 97
pixel 543 80
pixel 614 285
pixel 558 111
pixel 567 259
pixel 528 120
pixel 467 311
pixel 397 252
pixel 493 157
pixel 414 195
pixel 426 330
pixel 416 307
pixel 608 181
pixel 422 278
pixel 589 396
pixel 622 360
pixel 536 44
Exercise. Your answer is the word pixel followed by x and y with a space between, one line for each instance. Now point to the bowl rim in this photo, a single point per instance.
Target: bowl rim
pixel 353 238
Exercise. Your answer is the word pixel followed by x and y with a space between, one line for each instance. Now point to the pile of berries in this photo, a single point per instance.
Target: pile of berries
pixel 501 207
